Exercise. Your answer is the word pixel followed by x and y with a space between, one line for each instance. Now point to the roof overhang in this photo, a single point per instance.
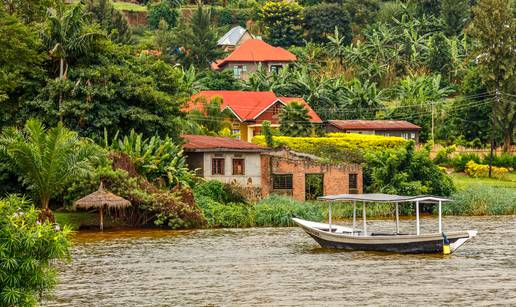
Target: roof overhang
pixel 243 150
pixel 385 198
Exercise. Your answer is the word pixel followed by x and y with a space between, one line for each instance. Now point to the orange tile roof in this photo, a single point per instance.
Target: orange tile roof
pixel 256 50
pixel 247 105
pixel 218 143
pixel 373 125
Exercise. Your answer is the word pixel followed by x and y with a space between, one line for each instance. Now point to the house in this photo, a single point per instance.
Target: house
pixel 269 171
pixel 250 109
pixel 399 128
pixel 252 54
pixel 224 159
pixel 292 173
pixel 234 38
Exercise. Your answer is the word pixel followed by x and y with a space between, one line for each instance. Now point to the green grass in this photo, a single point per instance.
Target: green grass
pixel 463 181
pixel 76 219
pixel 124 6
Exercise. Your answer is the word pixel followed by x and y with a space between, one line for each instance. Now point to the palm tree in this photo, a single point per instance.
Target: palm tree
pixel 337 46
pixel 295 120
pixel 46 159
pixel 66 37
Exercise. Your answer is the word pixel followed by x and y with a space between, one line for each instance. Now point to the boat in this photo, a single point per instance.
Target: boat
pixel 354 239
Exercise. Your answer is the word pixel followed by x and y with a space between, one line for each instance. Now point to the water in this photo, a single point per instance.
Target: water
pixel 283 266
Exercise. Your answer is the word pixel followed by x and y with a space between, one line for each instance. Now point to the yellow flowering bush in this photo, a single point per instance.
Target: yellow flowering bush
pixel 341 141
pixel 474 169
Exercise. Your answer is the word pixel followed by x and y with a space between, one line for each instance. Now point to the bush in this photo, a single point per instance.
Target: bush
pixel 443 154
pixel 226 215
pixel 459 161
pixel 482 200
pixel 503 160
pixel 340 141
pixel 473 169
pixel 28 249
pixel 279 211
pixel 162 11
pixel 322 19
pixel 220 192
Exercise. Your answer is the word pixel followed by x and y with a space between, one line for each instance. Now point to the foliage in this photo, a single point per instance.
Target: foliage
pixel 294 120
pixel 443 154
pixel 439 54
pixel 226 215
pixel 321 20
pixel 197 39
pixel 111 19
pixel 478 199
pixel 218 80
pixel 279 210
pixel 459 161
pixel 267 133
pixel 282 21
pixel 473 169
pixel 29 11
pixel 28 253
pixel 210 118
pixel 219 192
pixel 455 15
pixel 504 160
pixel 360 100
pixel 339 141
pixel 163 10
pixel 47 159
pixel 406 171
pixel 159 160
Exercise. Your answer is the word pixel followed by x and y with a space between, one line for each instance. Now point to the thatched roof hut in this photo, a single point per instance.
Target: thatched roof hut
pixel 100 200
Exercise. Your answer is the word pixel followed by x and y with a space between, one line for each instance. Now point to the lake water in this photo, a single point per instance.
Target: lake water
pixel 283 266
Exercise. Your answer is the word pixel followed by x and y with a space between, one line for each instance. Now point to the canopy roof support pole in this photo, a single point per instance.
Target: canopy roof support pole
pixel 329 216
pixel 417 217
pixel 440 217
pixel 354 215
pixel 397 219
pixel 102 218
pixel 364 218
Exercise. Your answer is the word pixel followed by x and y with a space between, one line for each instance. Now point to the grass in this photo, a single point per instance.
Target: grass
pixel 463 181
pixel 125 6
pixel 76 219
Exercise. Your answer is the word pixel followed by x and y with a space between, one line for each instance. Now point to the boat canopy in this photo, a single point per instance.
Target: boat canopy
pixel 385 198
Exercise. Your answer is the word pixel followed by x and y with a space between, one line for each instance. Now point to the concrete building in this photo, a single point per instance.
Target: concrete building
pixel 399 128
pixel 253 54
pixel 249 109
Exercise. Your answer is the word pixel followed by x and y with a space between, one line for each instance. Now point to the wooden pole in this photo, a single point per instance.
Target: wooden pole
pixel 364 218
pixel 329 216
pixel 440 218
pixel 354 215
pixel 101 218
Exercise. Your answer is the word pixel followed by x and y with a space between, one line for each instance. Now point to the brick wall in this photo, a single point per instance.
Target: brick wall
pixel 335 177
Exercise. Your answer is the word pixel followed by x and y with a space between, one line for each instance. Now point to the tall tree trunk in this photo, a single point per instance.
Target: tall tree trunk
pixel 61 76
pixel 493 132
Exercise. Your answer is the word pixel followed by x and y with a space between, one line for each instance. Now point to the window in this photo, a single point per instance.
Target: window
pixel 238 70
pixel 275 68
pixel 217 166
pixel 412 135
pixel 405 135
pixel 238 166
pixel 282 182
pixel 353 181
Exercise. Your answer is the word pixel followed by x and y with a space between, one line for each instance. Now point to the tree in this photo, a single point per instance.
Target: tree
pixel 67 37
pixel 46 159
pixel 198 39
pixel 294 120
pixel 164 10
pixel 29 251
pixel 282 22
pixel 494 30
pixel 209 116
pixel 111 19
pixel 28 10
pixel 360 100
pixel 426 7
pixel 455 14
pixel 362 12
pixel 322 20
pixel 267 132
pixel 439 57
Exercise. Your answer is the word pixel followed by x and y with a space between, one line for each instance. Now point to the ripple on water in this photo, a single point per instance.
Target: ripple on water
pixel 283 266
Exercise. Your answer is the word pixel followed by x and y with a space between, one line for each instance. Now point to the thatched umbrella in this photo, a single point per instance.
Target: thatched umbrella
pixel 101 199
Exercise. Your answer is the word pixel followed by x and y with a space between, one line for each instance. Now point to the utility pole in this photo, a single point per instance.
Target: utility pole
pixel 493 126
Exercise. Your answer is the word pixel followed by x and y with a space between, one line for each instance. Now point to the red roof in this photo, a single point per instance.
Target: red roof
pixel 256 50
pixel 247 106
pixel 218 143
pixel 374 125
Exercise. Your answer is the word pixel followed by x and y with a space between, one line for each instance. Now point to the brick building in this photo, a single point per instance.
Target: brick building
pixel 287 172
pixel 400 128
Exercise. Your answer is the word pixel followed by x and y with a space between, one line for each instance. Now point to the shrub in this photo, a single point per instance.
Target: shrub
pixel 220 192
pixel 282 22
pixel 460 160
pixel 279 211
pixel 322 19
pixel 482 200
pixel 225 17
pixel 339 141
pixel 505 160
pixel 443 154
pixel 225 215
pixel 28 249
pixel 481 170
pixel 162 11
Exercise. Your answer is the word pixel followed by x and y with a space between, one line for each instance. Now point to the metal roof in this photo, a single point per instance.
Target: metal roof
pixel 205 143
pixel 387 125
pixel 384 198
pixel 232 36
